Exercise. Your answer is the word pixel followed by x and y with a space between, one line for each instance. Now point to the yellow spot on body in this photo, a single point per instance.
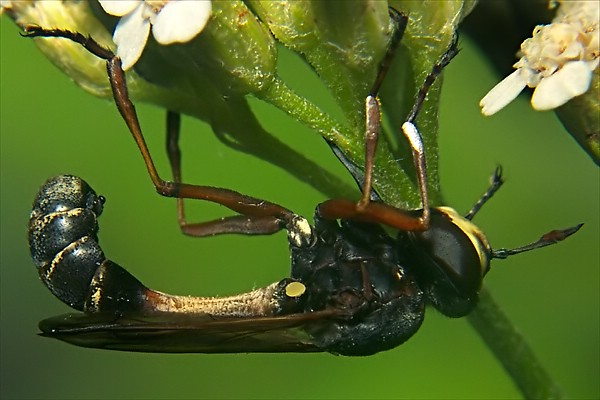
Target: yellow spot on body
pixel 295 289
pixel 300 232
pixel 95 298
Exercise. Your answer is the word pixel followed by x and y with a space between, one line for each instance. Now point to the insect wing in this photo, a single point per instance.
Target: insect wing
pixel 170 333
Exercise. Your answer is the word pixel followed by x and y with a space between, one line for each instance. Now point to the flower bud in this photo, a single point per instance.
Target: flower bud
pixel 234 54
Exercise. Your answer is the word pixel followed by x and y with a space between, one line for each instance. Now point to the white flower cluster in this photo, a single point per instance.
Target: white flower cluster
pixel 172 21
pixel 558 61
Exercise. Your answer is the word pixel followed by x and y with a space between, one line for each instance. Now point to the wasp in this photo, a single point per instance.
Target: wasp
pixel 361 274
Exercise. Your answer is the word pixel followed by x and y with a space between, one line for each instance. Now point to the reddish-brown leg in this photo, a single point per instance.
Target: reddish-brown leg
pixel 365 210
pixel 244 224
pixel 257 216
pixel 373 109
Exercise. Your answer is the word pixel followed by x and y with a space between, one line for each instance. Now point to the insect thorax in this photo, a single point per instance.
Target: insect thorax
pixel 354 269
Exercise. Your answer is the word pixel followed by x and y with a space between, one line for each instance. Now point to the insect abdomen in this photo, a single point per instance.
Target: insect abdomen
pixel 64 246
pixel 63 237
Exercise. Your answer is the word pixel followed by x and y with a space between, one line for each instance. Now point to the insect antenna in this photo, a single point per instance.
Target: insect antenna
pixel 495 182
pixel 547 239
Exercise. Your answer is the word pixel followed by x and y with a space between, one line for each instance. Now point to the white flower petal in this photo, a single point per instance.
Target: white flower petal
pixel 131 35
pixel 181 21
pixel 5 4
pixel 119 7
pixel 570 81
pixel 573 51
pixel 504 92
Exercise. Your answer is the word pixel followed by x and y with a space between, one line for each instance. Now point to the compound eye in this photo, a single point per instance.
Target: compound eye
pixel 467 249
pixel 454 256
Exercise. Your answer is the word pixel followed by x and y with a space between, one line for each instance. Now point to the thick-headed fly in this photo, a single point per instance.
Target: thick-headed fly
pixel 354 288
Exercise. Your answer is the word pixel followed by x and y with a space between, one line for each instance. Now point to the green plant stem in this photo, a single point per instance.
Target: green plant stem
pixel 302 110
pixel 581 118
pixel 512 350
pixel 393 184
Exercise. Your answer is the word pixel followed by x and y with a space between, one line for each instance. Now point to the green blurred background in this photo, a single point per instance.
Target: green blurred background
pixel 49 126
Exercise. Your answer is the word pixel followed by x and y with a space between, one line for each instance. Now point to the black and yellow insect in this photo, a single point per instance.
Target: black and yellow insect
pixel 354 288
